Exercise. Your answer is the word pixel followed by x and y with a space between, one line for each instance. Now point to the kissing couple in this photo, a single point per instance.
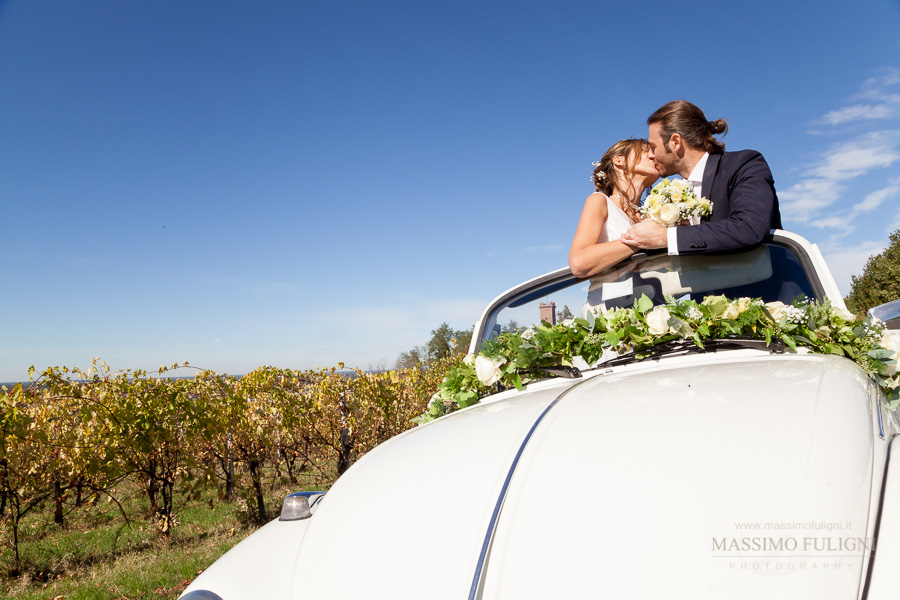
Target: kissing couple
pixel 680 142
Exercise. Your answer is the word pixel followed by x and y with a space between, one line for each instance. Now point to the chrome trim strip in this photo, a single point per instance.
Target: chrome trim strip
pixel 201 595
pixel 307 494
pixel 876 530
pixel 495 516
pixel 880 421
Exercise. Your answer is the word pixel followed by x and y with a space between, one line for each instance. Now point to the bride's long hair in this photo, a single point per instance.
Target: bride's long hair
pixel 607 181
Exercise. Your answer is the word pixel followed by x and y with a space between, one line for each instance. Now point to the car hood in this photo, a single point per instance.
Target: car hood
pixel 720 478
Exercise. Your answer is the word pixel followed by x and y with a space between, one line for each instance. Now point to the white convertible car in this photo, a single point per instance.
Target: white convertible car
pixel 737 471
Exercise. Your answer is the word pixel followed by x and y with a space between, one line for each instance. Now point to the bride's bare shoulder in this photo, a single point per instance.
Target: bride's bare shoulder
pixel 597 199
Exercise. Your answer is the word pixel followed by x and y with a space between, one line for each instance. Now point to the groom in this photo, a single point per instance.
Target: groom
pixel 739 184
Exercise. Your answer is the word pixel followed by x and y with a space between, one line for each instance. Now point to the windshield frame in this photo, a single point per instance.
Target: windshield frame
pixel 811 260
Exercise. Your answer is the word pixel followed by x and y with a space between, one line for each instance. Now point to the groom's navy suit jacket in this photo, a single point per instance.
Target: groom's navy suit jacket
pixel 745 207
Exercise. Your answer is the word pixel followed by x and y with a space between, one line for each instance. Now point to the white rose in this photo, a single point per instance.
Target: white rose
pixel 669 215
pixel 658 320
pixel 890 340
pixel 735 308
pixel 488 369
pixel 600 310
pixel 731 311
pixel 442 396
pixel 528 334
pixel 777 309
pixel 683 184
pixel 844 314
pixel 469 359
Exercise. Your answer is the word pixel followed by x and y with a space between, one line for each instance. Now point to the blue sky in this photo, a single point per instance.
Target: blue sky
pixel 239 184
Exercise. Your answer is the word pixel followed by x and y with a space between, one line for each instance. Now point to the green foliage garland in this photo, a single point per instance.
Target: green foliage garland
pixel 512 359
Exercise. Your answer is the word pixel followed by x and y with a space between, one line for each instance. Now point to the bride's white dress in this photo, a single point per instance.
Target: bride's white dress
pixel 617 223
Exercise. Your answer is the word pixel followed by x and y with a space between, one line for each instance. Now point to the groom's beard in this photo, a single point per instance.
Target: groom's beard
pixel 665 171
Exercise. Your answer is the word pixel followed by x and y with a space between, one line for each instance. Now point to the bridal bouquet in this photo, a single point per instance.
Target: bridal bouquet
pixel 671 201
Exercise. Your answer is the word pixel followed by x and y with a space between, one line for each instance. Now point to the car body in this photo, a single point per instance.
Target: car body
pixel 736 473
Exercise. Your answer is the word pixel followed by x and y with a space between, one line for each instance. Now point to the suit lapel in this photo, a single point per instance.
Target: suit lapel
pixel 709 176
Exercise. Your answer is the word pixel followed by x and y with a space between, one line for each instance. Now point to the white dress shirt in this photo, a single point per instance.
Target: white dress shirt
pixel 696 179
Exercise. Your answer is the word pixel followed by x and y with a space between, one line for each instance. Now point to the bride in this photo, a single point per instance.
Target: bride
pixel 620 178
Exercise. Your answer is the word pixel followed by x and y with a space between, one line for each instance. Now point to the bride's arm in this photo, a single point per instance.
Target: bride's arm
pixel 587 256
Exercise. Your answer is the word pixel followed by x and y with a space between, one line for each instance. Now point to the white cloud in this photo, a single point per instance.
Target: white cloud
pixel 856 157
pixel 845 262
pixel 824 182
pixel 876 87
pixel 818 197
pixel 833 223
pixel 873 200
pixel 878 101
pixel 804 199
pixel 858 112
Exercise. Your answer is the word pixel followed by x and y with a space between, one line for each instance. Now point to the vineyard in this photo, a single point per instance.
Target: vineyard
pixel 148 448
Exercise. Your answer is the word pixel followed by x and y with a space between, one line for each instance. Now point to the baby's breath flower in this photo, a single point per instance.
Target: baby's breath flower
pixel 795 314
pixel 594 338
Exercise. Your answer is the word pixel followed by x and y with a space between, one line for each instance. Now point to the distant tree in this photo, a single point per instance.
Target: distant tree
pixel 512 327
pixel 880 279
pixel 463 339
pixel 411 358
pixel 445 341
pixel 379 366
pixel 564 314
pixel 442 342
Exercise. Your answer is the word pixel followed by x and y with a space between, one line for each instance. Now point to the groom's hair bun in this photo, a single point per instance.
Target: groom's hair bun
pixel 688 121
pixel 718 126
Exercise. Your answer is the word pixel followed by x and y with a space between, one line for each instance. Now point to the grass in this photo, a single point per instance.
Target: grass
pixel 98 555
pixel 156 570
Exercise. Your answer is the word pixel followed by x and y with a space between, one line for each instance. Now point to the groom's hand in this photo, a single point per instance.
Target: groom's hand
pixel 645 234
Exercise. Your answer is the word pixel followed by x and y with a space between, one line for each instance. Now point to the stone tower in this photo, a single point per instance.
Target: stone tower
pixel 548 312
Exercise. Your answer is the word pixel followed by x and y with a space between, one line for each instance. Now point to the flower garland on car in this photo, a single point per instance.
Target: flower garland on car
pixel 511 359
